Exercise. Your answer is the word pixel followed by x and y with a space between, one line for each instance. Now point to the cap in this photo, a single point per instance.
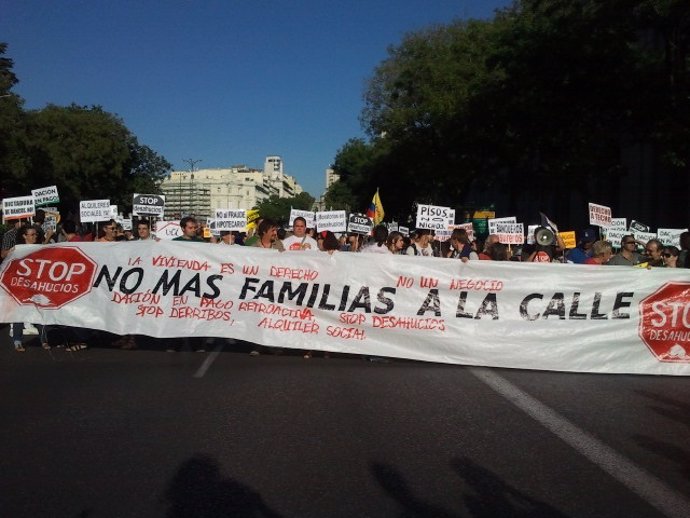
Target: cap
pixel 588 234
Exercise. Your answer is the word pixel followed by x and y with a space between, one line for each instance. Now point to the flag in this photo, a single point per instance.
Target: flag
pixel 375 210
pixel 546 222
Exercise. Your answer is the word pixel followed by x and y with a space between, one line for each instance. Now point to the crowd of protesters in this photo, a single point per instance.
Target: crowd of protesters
pixel 299 238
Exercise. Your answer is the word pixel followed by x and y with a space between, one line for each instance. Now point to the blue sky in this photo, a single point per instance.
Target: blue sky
pixel 227 82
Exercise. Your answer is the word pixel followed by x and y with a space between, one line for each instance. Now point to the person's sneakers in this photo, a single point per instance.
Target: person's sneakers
pixel 202 350
pixel 19 347
pixel 254 353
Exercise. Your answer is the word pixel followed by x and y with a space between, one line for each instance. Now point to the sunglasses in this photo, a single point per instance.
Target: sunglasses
pixel 629 243
pixel 668 255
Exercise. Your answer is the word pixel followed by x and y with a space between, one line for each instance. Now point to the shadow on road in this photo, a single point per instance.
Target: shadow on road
pixel 674 409
pixel 493 497
pixel 198 490
pixel 671 452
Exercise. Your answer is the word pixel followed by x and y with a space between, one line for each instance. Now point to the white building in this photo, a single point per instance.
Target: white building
pixel 237 187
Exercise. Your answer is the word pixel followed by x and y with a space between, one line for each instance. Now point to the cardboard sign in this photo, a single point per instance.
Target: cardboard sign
pixel 670 236
pixel 510 233
pixel 18 208
pixel 46 195
pixel 568 238
pixel 494 222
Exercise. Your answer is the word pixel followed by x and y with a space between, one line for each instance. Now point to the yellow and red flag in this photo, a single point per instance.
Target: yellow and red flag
pixel 375 210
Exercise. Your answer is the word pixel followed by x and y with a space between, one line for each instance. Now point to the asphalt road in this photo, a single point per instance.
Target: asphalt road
pixel 112 433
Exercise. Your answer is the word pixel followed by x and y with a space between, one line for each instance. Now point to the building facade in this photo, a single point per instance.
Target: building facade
pixel 201 192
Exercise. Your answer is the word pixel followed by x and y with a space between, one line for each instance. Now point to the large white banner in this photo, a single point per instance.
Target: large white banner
pixel 504 314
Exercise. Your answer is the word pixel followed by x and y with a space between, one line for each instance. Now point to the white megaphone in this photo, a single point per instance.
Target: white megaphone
pixel 544 236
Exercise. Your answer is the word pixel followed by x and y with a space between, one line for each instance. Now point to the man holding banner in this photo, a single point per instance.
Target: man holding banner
pixel 299 240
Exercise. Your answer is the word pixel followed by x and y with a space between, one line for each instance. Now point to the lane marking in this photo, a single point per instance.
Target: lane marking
pixel 209 361
pixel 639 481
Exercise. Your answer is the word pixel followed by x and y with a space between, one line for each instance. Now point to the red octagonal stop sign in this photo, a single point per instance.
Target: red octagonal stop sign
pixel 665 322
pixel 50 277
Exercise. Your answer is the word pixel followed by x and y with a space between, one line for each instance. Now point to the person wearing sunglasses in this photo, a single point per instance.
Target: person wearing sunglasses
pixel 670 256
pixel 627 256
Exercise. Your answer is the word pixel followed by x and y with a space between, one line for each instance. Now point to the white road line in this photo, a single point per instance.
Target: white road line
pixel 208 361
pixel 639 481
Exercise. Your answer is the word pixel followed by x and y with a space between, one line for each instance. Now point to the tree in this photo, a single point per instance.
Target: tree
pixel 12 130
pixel 278 209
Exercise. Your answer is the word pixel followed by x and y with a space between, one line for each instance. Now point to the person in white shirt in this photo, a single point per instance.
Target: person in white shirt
pixel 421 245
pixel 379 244
pixel 299 240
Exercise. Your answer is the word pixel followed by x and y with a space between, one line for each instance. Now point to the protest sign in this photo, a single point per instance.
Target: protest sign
pixel 495 221
pixel 569 239
pixel 644 236
pixel 493 313
pixel 639 226
pixel 45 195
pixel 360 224
pixel 599 215
pixel 93 211
pixel 148 205
pixel 670 236
pixel 510 233
pixel 168 230
pixel 229 219
pixel 333 220
pixel 306 214
pixel 405 231
pixel 432 217
pixel 18 208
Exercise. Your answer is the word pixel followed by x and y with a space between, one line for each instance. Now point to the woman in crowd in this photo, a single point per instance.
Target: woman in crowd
pixel 328 242
pixel 379 244
pixel 499 252
pixel 395 242
pixel 27 236
pixel 670 256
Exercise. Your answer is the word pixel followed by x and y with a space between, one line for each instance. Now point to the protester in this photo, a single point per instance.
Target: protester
pixel 684 256
pixel 583 250
pixel 10 238
pixel 378 245
pixel 254 237
pixel 670 256
pixel 499 252
pixel 106 231
pixel 355 242
pixel 189 227
pixel 653 250
pixel 485 254
pixel 461 246
pixel 227 237
pixel 268 236
pixel 144 232
pixel 69 232
pixel 299 240
pixel 543 253
pixel 627 256
pixel 420 244
pixel 395 242
pixel 329 243
pixel 27 236
pixel 601 253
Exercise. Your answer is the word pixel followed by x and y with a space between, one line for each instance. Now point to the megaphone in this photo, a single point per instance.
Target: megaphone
pixel 544 237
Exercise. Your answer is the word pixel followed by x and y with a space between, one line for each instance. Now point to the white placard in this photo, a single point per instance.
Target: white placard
pixel 168 230
pixel 93 211
pixel 618 224
pixel 599 215
pixel 530 233
pixel 670 236
pixel 229 219
pixel 495 221
pixel 46 195
pixel 405 231
pixel 644 236
pixel 616 236
pixel 306 214
pixel 510 233
pixel 333 220
pixel 17 208
pixel 433 217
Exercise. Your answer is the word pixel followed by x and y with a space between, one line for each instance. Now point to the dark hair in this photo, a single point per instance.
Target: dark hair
pixel 21 234
pixel 187 219
pixel 69 226
pixel 380 235
pixel 301 219
pixel 266 225
pixel 330 242
pixel 498 252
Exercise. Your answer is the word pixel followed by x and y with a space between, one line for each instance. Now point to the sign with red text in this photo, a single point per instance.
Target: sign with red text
pixel 665 322
pixel 493 313
pixel 48 278
pixel 168 230
pixel 599 215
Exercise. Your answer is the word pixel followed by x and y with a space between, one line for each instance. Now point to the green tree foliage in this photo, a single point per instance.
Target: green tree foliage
pixel 548 96
pixel 12 157
pixel 278 209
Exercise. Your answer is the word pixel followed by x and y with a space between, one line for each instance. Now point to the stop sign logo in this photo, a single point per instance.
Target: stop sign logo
pixel 50 277
pixel 665 322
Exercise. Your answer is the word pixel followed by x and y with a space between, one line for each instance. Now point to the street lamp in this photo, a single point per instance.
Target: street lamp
pixel 191 164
